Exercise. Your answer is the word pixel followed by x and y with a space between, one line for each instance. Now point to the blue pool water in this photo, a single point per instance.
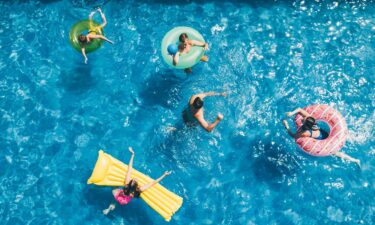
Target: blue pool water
pixel 56 112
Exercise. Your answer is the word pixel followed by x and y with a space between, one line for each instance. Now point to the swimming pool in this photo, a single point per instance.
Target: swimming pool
pixel 58 112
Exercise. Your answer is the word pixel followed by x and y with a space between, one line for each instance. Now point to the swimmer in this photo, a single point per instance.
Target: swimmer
pixel 92 33
pixel 131 189
pixel 194 111
pixel 185 46
pixel 311 129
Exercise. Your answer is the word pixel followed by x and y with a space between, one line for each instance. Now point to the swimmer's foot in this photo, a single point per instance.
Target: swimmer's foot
pixel 111 207
pixel 188 70
pixel 106 211
pixel 204 58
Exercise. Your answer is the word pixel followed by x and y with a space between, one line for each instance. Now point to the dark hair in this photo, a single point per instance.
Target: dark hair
pixel 308 123
pixel 82 38
pixel 132 188
pixel 198 103
pixel 183 37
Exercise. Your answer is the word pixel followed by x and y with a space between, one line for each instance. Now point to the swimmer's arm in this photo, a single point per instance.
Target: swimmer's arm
pixel 84 54
pixel 298 110
pixel 206 126
pixel 211 93
pixel 176 57
pixel 130 167
pixel 199 43
pixel 149 185
pixel 286 125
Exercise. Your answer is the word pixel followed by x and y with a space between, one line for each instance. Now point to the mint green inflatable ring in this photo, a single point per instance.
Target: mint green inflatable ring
pixel 83 27
pixel 186 60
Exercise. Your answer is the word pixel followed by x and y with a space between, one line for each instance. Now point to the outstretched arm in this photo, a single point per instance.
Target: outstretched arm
pixel 84 54
pixel 130 167
pixel 199 43
pixel 286 125
pixel 211 93
pixel 149 185
pixel 298 110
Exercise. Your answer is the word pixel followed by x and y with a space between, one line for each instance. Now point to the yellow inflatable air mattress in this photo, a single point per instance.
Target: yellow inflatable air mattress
pixel 109 171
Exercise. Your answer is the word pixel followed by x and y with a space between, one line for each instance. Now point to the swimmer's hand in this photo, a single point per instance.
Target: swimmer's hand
pixel 220 116
pixel 131 150
pixel 167 173
pixel 100 10
pixel 224 94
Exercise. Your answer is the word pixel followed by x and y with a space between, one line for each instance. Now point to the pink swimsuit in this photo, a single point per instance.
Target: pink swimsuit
pixel 122 198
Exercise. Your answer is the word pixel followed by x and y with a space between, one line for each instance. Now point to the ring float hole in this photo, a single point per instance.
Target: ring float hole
pixel 324 127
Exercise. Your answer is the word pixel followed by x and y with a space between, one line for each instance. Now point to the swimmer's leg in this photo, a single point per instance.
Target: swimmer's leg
pixel 349 158
pixel 110 208
pixel 204 58
pixel 103 17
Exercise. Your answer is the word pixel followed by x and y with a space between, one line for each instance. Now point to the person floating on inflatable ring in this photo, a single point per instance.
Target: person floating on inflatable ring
pixel 194 111
pixel 311 129
pixel 131 189
pixel 185 46
pixel 93 33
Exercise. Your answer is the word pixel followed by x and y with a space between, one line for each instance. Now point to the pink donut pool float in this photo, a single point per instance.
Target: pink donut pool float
pixel 337 135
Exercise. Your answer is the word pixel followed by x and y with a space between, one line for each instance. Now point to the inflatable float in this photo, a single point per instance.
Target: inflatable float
pixel 186 60
pixel 109 171
pixel 337 135
pixel 83 27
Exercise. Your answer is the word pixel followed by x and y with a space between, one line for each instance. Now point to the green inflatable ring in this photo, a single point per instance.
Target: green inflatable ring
pixel 186 60
pixel 83 27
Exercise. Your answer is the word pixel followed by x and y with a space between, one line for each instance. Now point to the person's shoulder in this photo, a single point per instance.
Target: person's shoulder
pixel 198 114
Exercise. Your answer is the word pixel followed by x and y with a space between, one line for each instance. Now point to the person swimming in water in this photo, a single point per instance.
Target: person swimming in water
pixel 93 33
pixel 131 188
pixel 185 46
pixel 194 111
pixel 311 129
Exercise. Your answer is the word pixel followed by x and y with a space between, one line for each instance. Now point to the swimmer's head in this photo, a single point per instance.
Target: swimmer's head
pixel 308 123
pixel 82 38
pixel 198 103
pixel 132 189
pixel 183 37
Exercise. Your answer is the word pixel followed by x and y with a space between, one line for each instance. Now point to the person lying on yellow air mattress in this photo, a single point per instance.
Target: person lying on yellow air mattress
pixel 131 188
